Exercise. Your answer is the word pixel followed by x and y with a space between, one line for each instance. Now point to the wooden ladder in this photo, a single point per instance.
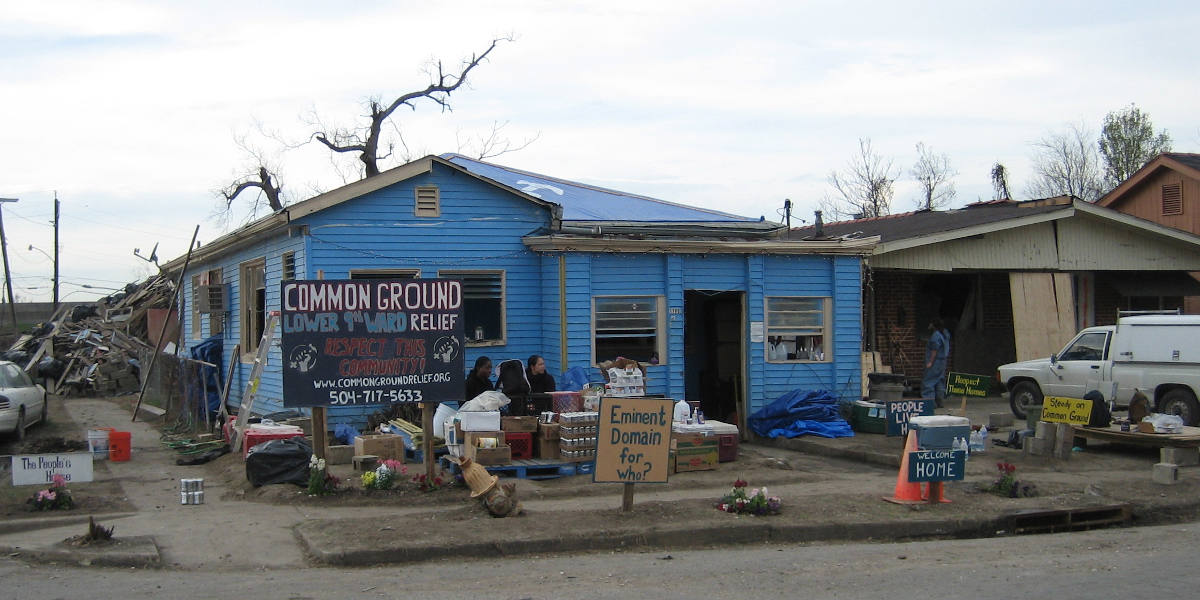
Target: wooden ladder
pixel 260 362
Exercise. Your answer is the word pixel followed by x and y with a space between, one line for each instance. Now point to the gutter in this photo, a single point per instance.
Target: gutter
pixel 570 243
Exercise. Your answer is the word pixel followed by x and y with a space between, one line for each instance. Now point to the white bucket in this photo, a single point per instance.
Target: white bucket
pixel 98 443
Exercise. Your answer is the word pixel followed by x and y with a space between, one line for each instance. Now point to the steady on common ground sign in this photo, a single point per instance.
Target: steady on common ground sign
pixel 371 342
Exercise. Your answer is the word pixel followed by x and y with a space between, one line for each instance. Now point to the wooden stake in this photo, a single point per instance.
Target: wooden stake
pixel 427 410
pixel 964 406
pixel 320 440
pixel 627 498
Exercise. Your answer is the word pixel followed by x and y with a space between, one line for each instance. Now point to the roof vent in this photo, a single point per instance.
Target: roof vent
pixel 428 202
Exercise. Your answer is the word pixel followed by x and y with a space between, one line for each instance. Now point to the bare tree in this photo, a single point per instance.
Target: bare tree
pixel 1066 164
pixel 865 188
pixel 1127 142
pixel 366 140
pixel 492 143
pixel 1000 182
pixel 934 173
pixel 262 178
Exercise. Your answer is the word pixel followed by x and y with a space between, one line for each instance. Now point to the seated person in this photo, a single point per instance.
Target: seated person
pixel 479 379
pixel 540 382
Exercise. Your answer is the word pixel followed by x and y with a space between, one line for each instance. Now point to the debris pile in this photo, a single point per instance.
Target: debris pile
pixel 95 348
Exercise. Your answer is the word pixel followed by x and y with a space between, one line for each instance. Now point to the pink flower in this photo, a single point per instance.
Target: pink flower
pixel 59 480
pixel 739 483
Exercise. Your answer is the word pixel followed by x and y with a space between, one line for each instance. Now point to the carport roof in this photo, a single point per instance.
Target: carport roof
pixel 911 225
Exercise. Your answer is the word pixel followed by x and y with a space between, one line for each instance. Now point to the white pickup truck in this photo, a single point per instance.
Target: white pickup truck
pixel 1156 354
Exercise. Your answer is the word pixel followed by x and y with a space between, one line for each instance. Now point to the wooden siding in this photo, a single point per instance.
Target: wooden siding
pixel 1145 200
pixel 1079 243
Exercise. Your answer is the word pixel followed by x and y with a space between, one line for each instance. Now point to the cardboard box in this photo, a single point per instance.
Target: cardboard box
pixel 489 456
pixel 695 452
pixel 547 449
pixel 548 431
pixel 479 420
pixel 470 437
pixel 339 455
pixel 519 424
pixel 384 446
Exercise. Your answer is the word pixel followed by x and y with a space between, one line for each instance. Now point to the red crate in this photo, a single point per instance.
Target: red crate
pixel 521 444
pixel 727 447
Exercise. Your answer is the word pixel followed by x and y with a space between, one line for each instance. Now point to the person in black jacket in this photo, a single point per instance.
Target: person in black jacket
pixel 479 379
pixel 540 383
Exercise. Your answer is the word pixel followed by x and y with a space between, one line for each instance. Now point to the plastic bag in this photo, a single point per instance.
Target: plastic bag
pixel 574 379
pixel 345 434
pixel 487 401
pixel 279 461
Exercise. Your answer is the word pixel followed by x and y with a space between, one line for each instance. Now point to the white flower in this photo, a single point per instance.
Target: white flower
pixel 764 491
pixel 312 460
pixel 321 464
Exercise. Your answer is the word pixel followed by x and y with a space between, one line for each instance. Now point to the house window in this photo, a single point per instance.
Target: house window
pixel 428 201
pixel 288 266
pixel 628 326
pixel 196 322
pixel 797 329
pixel 483 306
pixel 216 321
pixel 1172 199
pixel 253 300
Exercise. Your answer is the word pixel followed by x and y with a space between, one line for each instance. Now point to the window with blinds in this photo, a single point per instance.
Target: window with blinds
pixel 288 266
pixel 1172 199
pixel 483 306
pixel 627 326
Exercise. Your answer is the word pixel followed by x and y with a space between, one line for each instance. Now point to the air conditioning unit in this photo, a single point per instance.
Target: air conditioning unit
pixel 213 298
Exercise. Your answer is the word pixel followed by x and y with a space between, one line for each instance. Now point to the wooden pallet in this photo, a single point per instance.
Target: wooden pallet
pixel 1073 519
pixel 534 468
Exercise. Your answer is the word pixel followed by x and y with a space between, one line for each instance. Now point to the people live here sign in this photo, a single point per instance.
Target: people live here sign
pixel 371 342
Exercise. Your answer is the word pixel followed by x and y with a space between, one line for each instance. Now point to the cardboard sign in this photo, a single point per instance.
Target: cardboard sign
pixel 364 342
pixel 40 469
pixel 900 411
pixel 936 465
pixel 965 384
pixel 1075 411
pixel 634 440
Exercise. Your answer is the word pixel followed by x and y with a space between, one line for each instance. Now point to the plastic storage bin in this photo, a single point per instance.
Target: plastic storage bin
pixel 521 444
pixel 120 445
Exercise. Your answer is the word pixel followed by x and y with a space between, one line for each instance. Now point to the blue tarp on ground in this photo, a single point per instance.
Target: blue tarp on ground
pixel 798 413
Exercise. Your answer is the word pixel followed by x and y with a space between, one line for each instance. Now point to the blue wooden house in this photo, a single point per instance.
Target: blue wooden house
pixel 723 309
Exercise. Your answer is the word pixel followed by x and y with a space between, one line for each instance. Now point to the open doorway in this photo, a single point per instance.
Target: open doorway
pixel 714 352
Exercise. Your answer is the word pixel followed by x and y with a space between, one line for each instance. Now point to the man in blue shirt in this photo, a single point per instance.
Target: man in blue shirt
pixel 937 354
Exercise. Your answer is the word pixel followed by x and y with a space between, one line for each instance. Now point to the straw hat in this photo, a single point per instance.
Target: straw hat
pixel 477 478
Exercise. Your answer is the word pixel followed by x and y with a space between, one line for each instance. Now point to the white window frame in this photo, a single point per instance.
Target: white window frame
pixel 284 258
pixel 660 324
pixel 216 321
pixel 824 331
pixel 468 334
pixel 197 323
pixel 247 294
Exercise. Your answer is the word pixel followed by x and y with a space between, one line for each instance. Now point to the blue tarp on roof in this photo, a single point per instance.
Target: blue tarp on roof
pixel 582 202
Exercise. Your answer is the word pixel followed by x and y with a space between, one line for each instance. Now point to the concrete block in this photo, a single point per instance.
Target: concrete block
pixel 1184 457
pixel 1166 473
pixel 1064 440
pixel 339 455
pixel 1000 420
pixel 1046 431
pixel 365 462
pixel 1038 447
pixel 1033 414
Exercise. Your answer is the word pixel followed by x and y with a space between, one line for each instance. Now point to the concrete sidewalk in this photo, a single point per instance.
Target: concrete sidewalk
pixel 236 534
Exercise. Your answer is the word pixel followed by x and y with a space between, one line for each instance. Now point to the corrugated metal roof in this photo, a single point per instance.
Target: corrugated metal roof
pixel 583 202
pixel 916 224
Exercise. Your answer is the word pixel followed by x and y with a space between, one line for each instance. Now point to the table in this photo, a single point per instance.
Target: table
pixel 1189 438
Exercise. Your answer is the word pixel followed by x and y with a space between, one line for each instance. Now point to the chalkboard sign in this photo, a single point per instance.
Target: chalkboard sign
pixel 634 440
pixel 936 465
pixel 900 411
pixel 371 342
pixel 966 384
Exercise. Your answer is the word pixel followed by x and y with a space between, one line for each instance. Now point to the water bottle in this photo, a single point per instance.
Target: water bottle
pixel 975 442
pixel 983 439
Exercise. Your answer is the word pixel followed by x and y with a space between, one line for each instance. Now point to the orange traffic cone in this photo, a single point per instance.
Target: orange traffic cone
pixel 906 492
pixel 937 490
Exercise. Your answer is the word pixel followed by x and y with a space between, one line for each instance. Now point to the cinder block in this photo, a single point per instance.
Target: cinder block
pixel 1038 447
pixel 1000 420
pixel 1184 457
pixel 1064 440
pixel 339 455
pixel 1046 431
pixel 365 462
pixel 1166 473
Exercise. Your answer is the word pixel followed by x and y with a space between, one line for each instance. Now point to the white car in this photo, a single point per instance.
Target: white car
pixel 22 402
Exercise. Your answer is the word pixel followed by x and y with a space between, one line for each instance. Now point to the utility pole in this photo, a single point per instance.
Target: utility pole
pixel 55 252
pixel 787 215
pixel 12 307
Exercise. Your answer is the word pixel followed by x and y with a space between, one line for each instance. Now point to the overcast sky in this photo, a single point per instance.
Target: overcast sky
pixel 131 110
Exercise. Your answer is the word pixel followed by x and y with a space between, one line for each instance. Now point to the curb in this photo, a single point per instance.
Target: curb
pixel 807 446
pixel 31 524
pixel 130 552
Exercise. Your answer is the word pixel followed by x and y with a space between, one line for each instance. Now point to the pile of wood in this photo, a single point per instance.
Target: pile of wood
pixel 96 349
